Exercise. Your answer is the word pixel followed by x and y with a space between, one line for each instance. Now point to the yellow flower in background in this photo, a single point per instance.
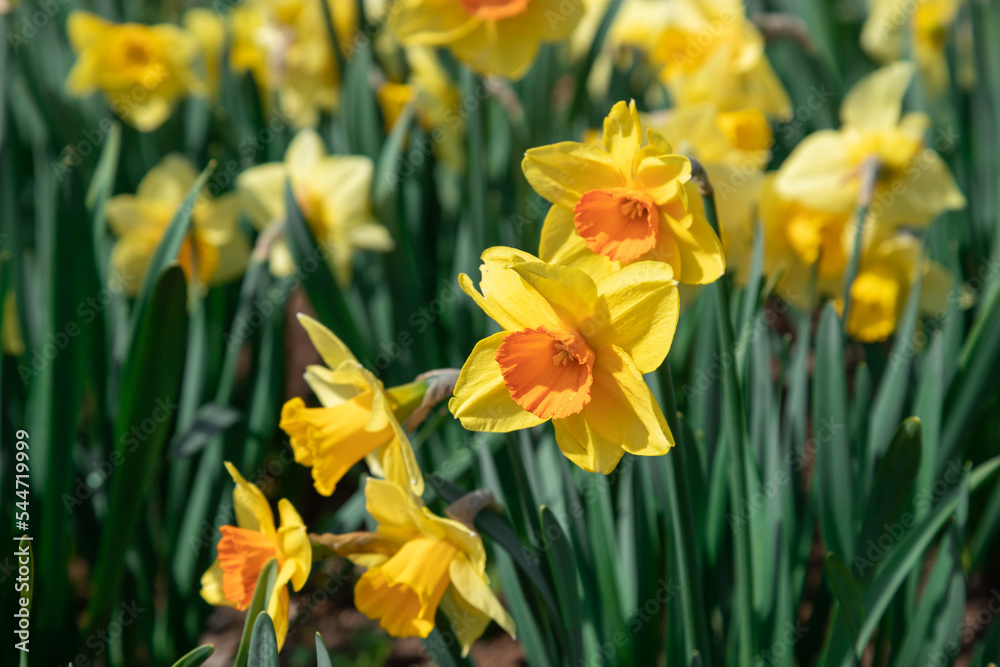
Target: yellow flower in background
pixel 210 31
pixel 572 350
pixel 285 45
pixel 795 238
pixel 914 184
pixel 333 194
pixel 10 327
pixel 499 37
pixel 621 202
pixel 246 548
pixel 925 26
pixel 733 147
pixel 711 52
pixel 142 70
pixel 416 563
pixel 359 419
pixel 140 221
pixel 438 103
pixel 886 272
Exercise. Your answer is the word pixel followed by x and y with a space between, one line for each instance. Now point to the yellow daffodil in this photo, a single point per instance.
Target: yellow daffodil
pixel 210 30
pixel 733 147
pixel 418 562
pixel 795 238
pixel 886 273
pixel 711 52
pixel 498 37
pixel 140 221
pixel 926 25
pixel 914 185
pixel 621 202
pixel 333 194
pixel 286 46
pixel 142 70
pixel 438 105
pixel 246 548
pixel 359 419
pixel 572 350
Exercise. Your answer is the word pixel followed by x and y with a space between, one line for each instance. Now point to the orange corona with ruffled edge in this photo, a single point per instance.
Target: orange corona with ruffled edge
pixel 573 350
pixel 500 37
pixel 621 202
pixel 246 548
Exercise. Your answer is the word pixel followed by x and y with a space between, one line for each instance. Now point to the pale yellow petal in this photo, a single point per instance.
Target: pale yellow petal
pixel 876 101
pixel 330 347
pixel 819 174
pixel 253 512
pixel 474 586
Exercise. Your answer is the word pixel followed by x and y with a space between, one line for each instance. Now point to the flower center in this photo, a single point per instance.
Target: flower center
pixel 619 223
pixel 242 555
pixel 875 298
pixel 548 373
pixel 495 9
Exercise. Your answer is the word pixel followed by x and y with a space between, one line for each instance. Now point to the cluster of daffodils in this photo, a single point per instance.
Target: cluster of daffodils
pixel 416 561
pixel 875 177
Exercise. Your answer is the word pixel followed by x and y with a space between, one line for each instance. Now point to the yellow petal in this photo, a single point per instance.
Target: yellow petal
pixel 819 174
pixel 918 194
pixel 467 622
pixel 622 136
pixel 584 446
pixel 622 408
pixel 330 348
pixel 303 154
pixel 474 587
pixel 262 192
pixel 252 509
pixel 431 22
pixel 560 244
pixel 700 251
pixel 277 609
pixel 211 587
pixel 876 101
pixel 293 542
pixel 506 296
pixel 169 181
pixel 345 183
pixel 571 292
pixel 85 29
pixel 643 307
pixel 662 175
pixel 482 401
pixel 563 172
pixel 392 506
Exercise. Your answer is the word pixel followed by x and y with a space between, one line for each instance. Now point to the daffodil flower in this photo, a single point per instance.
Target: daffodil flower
pixel 331 191
pixel 246 548
pixel 711 52
pixel 285 45
pixel 417 563
pixel 572 350
pixel 914 185
pixel 621 202
pixel 733 147
pixel 140 221
pixel 886 272
pixel 142 70
pixel 796 237
pixel 358 419
pixel 926 25
pixel 499 37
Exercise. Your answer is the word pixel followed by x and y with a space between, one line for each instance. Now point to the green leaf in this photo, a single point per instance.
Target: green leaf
pixel 263 643
pixel 387 172
pixel 210 420
pixel 196 657
pixel 564 572
pixel 845 588
pixel 261 596
pixel 150 387
pixel 833 454
pixel 894 482
pixel 322 655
